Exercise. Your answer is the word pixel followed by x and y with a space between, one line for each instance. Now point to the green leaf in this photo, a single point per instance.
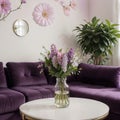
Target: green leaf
pixel 108 23
pixel 96 38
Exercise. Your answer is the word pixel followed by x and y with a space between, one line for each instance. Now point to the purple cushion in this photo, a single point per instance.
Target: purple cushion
pixel 10 100
pixel 51 80
pixel 108 76
pixel 25 73
pixel 110 96
pixel 36 92
pixel 11 116
pixel 2 76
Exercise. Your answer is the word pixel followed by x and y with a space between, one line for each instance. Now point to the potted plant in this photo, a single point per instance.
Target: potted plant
pixel 97 38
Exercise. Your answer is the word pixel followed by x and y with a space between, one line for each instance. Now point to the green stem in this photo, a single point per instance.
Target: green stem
pixel 61 97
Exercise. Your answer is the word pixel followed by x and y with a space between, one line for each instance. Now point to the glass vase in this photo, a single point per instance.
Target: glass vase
pixel 61 93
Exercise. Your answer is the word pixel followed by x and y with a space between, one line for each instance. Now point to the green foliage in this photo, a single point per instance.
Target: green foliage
pixel 97 39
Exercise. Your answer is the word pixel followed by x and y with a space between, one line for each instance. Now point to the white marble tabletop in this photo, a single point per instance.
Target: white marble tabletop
pixel 79 109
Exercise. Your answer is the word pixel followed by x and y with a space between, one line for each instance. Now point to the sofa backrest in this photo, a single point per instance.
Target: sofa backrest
pixel 2 76
pixel 108 76
pixel 25 73
pixel 52 80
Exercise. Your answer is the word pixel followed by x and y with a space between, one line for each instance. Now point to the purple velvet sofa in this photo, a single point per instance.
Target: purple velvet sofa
pixel 22 82
pixel 100 83
pixel 10 100
pixel 19 83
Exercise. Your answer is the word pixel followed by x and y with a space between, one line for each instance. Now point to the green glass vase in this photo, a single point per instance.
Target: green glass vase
pixel 61 93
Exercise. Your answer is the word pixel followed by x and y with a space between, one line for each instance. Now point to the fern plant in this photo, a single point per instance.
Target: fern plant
pixel 97 38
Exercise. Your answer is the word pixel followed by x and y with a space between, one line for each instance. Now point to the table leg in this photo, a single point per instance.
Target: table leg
pixel 26 117
pixel 23 116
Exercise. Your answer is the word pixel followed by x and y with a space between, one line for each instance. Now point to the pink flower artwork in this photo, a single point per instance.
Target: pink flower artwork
pixel 43 14
pixel 67 5
pixel 73 4
pixel 23 1
pixel 5 6
pixel 66 10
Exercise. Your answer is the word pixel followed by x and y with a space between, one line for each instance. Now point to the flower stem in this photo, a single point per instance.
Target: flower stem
pixel 2 17
pixel 61 95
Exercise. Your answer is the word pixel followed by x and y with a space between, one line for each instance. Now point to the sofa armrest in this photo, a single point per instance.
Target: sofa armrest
pixel 108 76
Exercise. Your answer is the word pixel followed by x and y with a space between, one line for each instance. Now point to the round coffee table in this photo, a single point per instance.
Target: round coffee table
pixel 79 109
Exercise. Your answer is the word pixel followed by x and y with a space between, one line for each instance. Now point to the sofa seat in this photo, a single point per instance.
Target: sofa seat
pixel 10 100
pixel 110 96
pixel 36 92
pixel 11 116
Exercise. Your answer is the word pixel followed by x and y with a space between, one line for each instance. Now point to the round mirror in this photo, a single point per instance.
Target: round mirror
pixel 20 27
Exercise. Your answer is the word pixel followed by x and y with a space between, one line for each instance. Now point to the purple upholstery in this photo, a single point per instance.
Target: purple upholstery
pixel 113 116
pixel 110 96
pixel 22 74
pixel 36 92
pixel 10 100
pixel 11 116
pixel 28 84
pixel 108 76
pixel 2 76
pixel 51 80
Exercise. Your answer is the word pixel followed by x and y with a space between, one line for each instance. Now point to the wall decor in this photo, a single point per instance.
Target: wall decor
pixel 6 8
pixel 43 14
pixel 20 27
pixel 67 5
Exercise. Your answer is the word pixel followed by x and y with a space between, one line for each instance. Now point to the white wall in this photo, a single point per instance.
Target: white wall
pixel 101 8
pixel 105 9
pixel 28 48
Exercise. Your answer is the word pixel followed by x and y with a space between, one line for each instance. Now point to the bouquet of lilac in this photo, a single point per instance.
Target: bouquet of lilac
pixel 59 64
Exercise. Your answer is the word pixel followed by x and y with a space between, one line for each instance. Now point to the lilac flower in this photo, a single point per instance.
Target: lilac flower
pixel 70 54
pixel 64 62
pixel 5 6
pixel 59 58
pixel 23 1
pixel 60 64
pixel 54 61
pixel 53 51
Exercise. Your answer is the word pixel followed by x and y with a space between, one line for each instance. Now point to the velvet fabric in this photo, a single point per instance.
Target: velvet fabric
pixel 2 76
pixel 107 76
pixel 51 80
pixel 22 74
pixel 26 84
pixel 11 116
pixel 110 96
pixel 10 100
pixel 36 92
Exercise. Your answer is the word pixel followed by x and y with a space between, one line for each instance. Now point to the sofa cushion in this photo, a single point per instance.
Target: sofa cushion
pixel 2 76
pixel 108 76
pixel 11 116
pixel 25 73
pixel 10 100
pixel 36 92
pixel 110 96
